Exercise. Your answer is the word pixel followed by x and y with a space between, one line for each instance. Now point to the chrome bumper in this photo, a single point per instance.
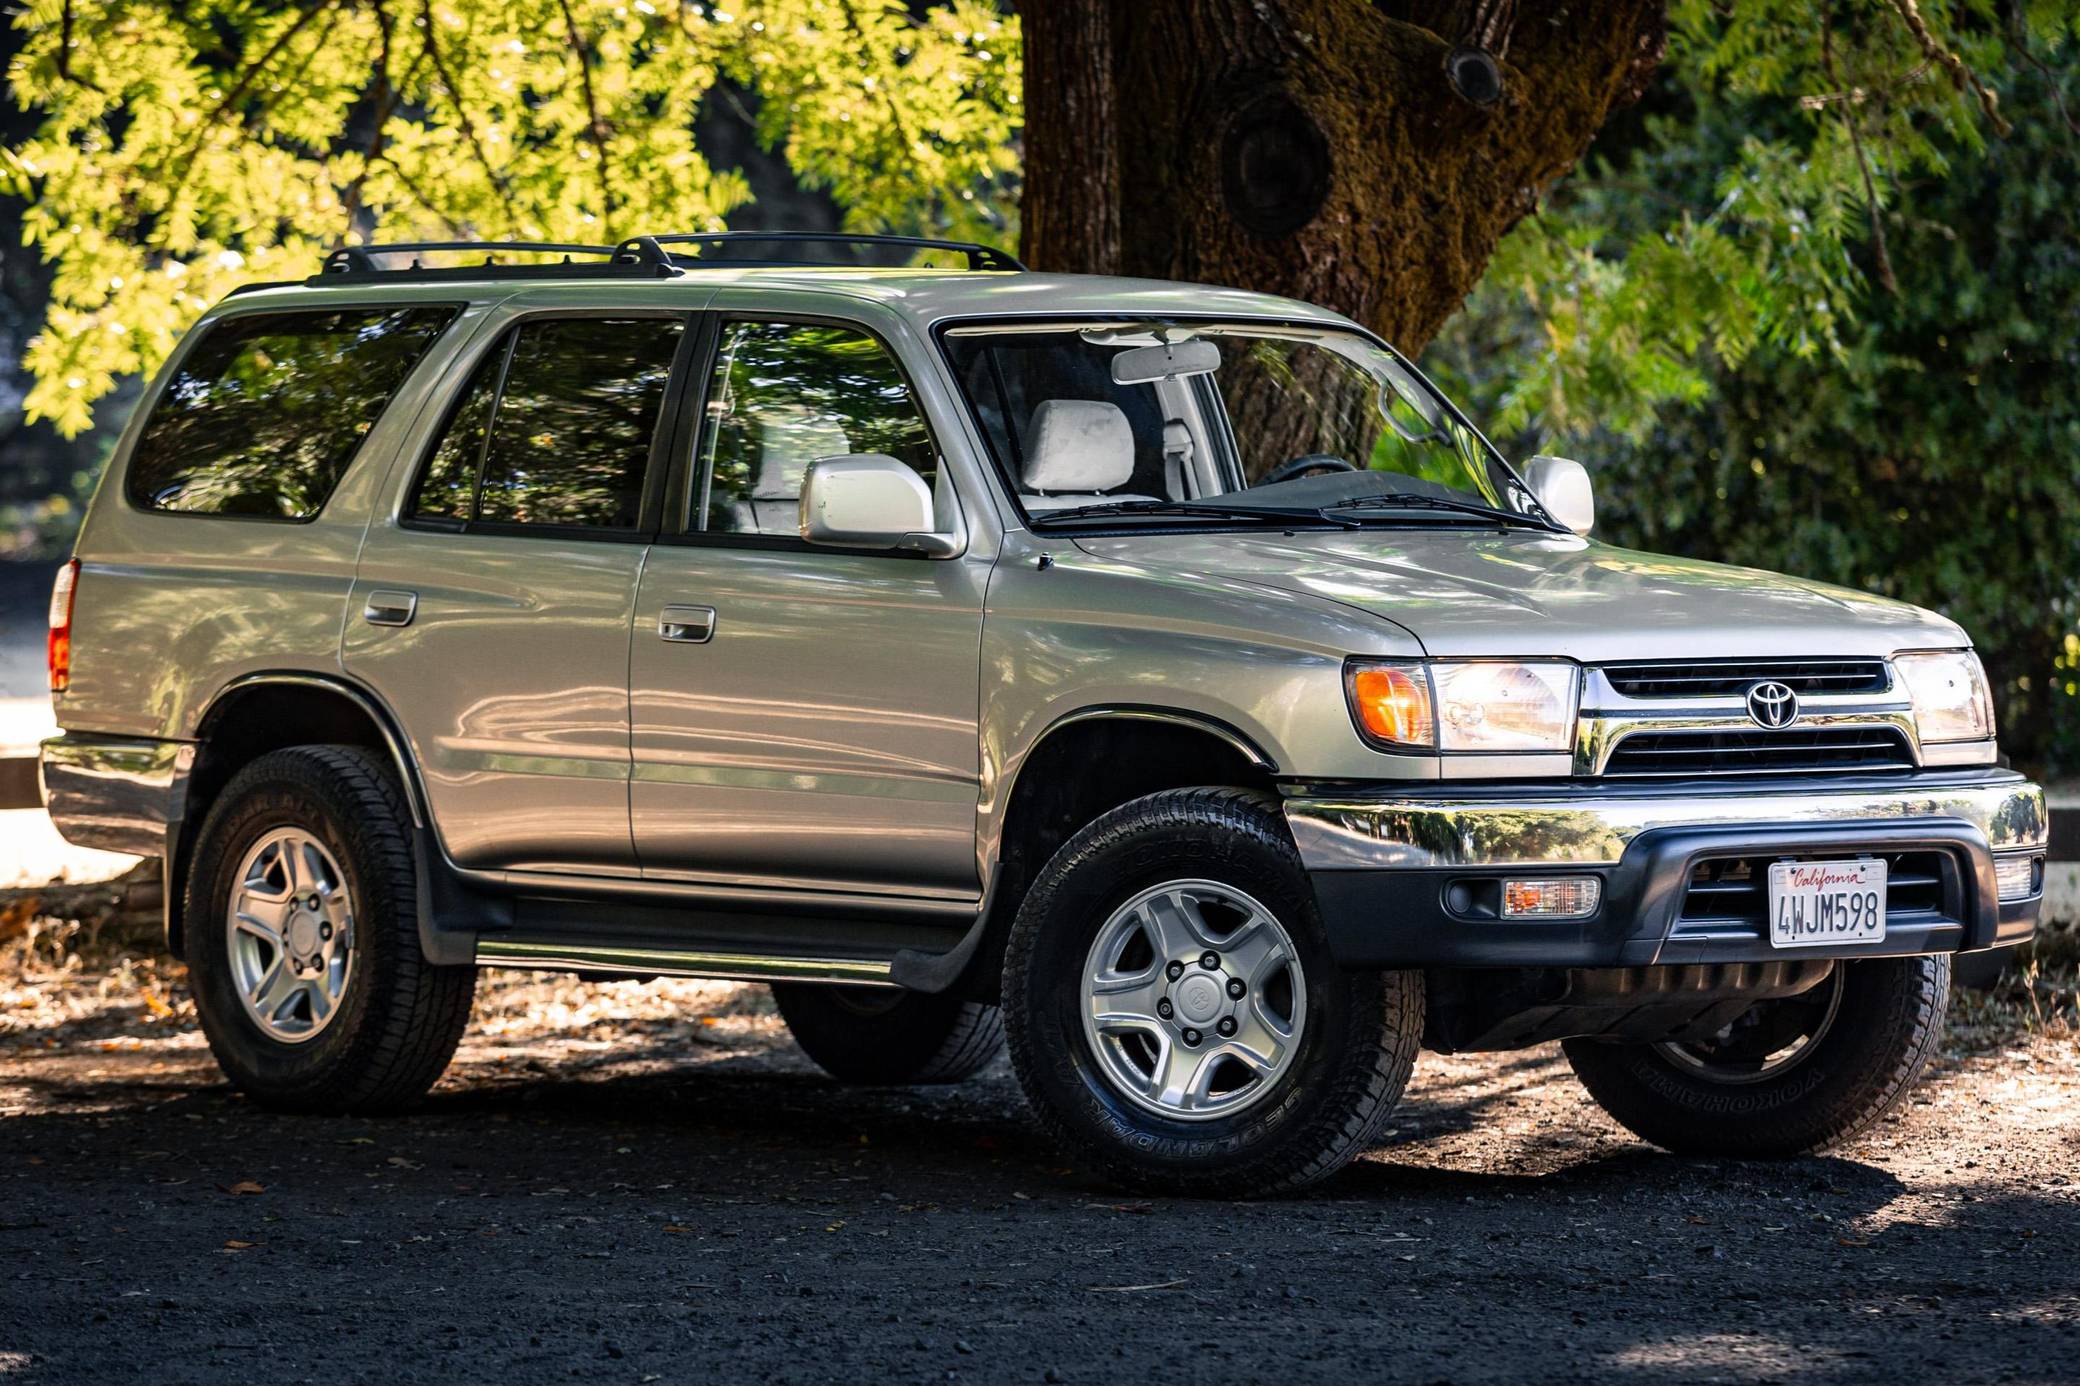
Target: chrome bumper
pixel 1536 825
pixel 1389 865
pixel 120 794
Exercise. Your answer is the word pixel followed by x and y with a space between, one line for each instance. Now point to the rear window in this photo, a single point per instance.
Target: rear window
pixel 268 409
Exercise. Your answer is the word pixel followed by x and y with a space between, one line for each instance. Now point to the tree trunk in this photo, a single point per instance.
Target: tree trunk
pixel 1313 148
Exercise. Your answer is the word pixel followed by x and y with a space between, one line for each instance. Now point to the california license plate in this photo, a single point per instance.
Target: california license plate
pixel 1816 903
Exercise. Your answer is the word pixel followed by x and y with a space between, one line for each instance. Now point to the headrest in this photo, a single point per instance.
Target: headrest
pixel 1078 445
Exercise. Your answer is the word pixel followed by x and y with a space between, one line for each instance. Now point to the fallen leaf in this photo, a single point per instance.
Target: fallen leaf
pixel 246 1186
pixel 236 1245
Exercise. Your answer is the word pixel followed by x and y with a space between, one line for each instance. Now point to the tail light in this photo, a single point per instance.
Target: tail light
pixel 62 592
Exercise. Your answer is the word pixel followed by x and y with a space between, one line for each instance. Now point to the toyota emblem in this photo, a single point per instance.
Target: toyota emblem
pixel 1772 705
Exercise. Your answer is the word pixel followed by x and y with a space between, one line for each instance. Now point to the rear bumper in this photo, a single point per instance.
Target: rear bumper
pixel 120 794
pixel 1397 872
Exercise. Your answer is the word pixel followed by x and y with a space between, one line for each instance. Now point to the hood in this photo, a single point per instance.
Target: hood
pixel 1523 593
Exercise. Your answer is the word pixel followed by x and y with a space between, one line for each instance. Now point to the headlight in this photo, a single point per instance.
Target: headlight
pixel 1471 706
pixel 1949 693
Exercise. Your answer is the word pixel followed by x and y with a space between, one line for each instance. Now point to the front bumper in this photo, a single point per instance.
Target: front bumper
pixel 1385 861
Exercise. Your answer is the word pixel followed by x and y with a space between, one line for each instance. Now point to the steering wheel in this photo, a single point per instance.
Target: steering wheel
pixel 1305 465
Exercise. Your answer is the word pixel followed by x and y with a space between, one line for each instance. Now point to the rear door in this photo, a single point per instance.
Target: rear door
pixel 492 604
pixel 803 716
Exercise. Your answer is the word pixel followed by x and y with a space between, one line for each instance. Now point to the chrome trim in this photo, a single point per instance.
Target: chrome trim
pixel 1533 825
pixel 768 897
pixel 118 794
pixel 1598 735
pixel 1598 694
pixel 678 962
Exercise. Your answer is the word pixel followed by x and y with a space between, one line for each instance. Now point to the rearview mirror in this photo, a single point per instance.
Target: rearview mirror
pixel 1165 361
pixel 1562 487
pixel 869 500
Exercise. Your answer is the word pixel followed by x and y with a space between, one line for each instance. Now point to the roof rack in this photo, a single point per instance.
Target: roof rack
pixel 638 257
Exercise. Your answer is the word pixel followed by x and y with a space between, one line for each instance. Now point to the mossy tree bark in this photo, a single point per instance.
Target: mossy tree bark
pixel 1316 148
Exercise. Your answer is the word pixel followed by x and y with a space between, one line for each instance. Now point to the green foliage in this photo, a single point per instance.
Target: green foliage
pixel 1745 394
pixel 189 147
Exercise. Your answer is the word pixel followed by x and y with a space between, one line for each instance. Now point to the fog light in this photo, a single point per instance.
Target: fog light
pixel 2015 878
pixel 1562 897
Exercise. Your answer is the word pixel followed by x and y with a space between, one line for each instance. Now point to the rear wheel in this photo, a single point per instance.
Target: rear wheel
pixel 1174 1012
pixel 1791 1076
pixel 303 938
pixel 874 1035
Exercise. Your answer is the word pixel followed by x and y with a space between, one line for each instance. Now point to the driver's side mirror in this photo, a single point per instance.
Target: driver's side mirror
pixel 1561 485
pixel 869 500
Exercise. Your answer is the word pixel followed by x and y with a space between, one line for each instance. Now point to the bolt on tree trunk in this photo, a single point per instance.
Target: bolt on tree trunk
pixel 1314 148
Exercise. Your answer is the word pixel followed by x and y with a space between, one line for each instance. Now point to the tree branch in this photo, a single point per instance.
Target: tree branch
pixel 1863 163
pixel 386 102
pixel 469 128
pixel 65 52
pixel 1961 76
pixel 597 128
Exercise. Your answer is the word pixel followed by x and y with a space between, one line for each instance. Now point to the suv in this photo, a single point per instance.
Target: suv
pixel 1165 676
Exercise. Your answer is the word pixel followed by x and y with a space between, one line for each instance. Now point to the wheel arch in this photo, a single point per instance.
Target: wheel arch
pixel 263 712
pixel 1051 793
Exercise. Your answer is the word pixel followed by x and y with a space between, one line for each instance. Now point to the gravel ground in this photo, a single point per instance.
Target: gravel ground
pixel 637 1184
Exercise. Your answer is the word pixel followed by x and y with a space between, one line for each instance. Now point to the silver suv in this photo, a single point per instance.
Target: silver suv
pixel 1166 676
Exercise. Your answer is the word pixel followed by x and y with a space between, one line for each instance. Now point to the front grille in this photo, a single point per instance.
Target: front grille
pixel 1726 678
pixel 1760 752
pixel 1731 894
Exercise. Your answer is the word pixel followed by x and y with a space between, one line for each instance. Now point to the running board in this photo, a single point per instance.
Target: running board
pixel 493 951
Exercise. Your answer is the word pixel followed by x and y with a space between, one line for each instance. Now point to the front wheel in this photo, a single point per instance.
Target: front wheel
pixel 1174 1012
pixel 1790 1076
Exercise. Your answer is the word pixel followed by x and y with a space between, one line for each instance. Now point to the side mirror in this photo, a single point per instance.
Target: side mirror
pixel 1562 487
pixel 869 500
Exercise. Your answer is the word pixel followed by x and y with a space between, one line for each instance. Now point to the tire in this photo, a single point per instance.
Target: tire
pixel 1883 1020
pixel 1198 864
pixel 868 1035
pixel 397 1018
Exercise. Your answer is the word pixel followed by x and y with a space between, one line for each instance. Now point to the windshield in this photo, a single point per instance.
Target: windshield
pixel 1132 424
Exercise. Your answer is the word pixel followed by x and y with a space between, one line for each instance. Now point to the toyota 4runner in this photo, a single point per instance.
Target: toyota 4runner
pixel 1165 676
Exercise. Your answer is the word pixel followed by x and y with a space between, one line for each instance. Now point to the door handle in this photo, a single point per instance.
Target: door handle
pixel 390 608
pixel 688 625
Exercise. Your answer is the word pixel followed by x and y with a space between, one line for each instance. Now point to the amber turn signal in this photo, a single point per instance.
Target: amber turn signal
pixel 1392 704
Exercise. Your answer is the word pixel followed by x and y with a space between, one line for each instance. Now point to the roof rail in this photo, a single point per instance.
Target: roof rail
pixel 979 256
pixel 639 257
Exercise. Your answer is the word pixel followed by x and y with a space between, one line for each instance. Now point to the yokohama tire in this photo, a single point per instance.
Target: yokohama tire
pixel 1886 1025
pixel 1349 1061
pixel 868 1035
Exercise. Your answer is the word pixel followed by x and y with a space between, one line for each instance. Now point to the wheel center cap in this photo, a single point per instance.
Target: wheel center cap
pixel 303 934
pixel 1199 997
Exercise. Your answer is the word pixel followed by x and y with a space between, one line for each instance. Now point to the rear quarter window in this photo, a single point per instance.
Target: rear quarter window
pixel 268 410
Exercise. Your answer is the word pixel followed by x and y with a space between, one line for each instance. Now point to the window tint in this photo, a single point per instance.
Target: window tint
pixel 555 426
pixel 785 394
pixel 268 409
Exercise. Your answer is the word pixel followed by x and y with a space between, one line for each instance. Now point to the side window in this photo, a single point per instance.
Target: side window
pixel 554 427
pixel 267 411
pixel 785 394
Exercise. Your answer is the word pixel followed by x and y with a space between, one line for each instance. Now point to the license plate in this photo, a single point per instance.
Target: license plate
pixel 1813 904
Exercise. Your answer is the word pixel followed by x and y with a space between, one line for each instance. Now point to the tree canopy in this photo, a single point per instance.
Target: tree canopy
pixel 189 147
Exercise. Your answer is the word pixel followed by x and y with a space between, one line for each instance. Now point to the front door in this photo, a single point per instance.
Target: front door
pixel 491 613
pixel 803 716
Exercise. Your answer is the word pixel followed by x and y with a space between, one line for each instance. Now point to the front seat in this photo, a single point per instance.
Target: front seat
pixel 1076 450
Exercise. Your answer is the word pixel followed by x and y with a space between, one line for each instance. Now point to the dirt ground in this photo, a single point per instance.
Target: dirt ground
pixel 638 1184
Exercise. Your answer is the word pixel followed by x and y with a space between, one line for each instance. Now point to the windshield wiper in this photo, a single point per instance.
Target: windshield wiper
pixel 1213 510
pixel 1415 500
